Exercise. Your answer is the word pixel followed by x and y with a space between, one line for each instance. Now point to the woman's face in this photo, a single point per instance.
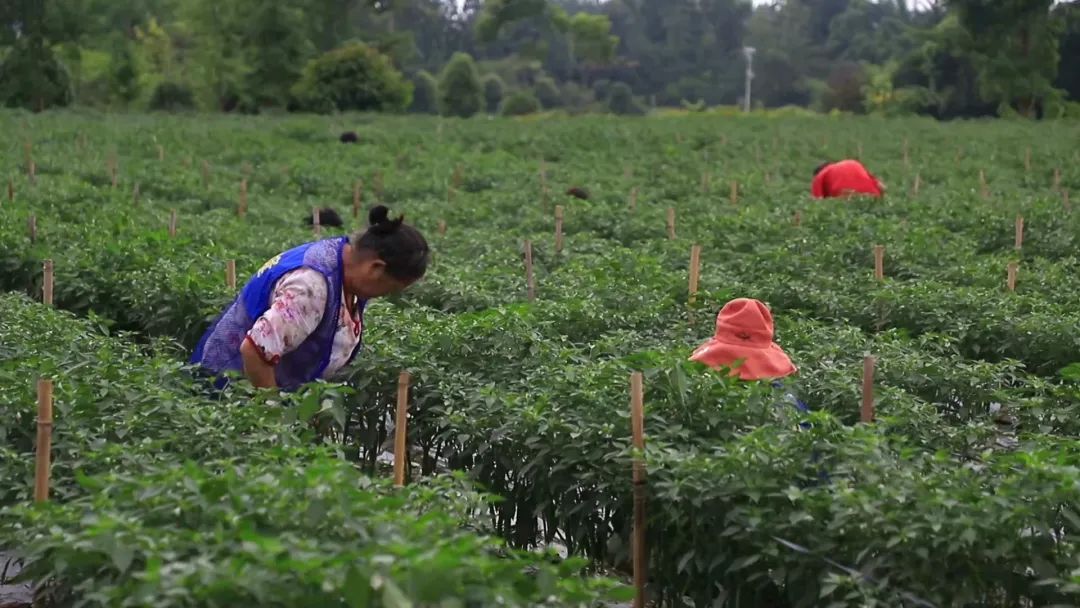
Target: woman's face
pixel 367 278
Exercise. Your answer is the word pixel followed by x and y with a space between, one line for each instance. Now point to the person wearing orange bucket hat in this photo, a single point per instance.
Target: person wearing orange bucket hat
pixel 743 342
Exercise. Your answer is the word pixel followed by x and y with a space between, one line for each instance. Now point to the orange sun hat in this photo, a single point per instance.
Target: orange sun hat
pixel 744 331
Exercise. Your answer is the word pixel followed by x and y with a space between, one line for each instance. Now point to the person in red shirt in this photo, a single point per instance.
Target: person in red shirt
pixel 844 178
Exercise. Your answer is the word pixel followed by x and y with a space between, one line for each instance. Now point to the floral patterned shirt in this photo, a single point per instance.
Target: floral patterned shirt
pixel 296 309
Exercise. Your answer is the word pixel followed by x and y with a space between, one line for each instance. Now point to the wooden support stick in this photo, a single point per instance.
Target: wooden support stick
pixel 907 157
pixel 1065 201
pixel 357 193
pixel 867 412
pixel 401 419
pixel 33 172
pixel 530 279
pixel 114 176
pixel 671 223
pixel 1027 159
pixel 918 184
pixel 43 449
pixel 442 226
pixel 633 198
pixel 206 174
pixel 705 180
pixel 1018 241
pixel 242 202
pixel 637 424
pixel 798 218
pixel 230 274
pixel 457 179
pixel 695 272
pixel 47 283
pixel 558 228
pixel 172 223
pixel 160 153
pixel 983 188
pixel 879 262
pixel 32 225
pixel 734 192
pixel 316 226
pixel 1057 178
pixel 11 190
pixel 135 194
pixel 378 186
pixel 1010 281
pixel 859 150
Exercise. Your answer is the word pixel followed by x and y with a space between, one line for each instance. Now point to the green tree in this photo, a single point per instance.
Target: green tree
pixel 425 94
pixel 460 91
pixel 547 92
pixel 123 71
pixel 1014 46
pixel 493 92
pixel 353 77
pixel 621 100
pixel 591 39
pixel 278 49
pixel 520 103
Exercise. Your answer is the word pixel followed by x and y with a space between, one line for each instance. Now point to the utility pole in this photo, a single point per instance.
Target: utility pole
pixel 748 51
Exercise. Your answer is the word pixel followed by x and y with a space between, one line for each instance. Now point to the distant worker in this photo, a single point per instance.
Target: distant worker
pixel 744 343
pixel 844 178
pixel 301 316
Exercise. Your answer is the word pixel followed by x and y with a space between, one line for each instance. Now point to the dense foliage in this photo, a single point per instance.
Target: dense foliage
pixel 355 77
pixel 945 58
pixel 961 493
pixel 461 92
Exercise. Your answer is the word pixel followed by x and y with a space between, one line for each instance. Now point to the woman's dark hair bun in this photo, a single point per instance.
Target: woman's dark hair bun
pixel 379 221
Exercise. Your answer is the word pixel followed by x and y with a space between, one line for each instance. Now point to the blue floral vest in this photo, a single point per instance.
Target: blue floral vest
pixel 219 349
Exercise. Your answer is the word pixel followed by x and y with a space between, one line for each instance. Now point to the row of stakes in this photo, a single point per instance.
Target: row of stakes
pixel 43 448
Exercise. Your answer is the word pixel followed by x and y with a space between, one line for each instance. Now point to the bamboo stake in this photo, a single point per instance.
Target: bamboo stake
pixel 633 198
pixel 161 153
pixel 1018 242
pixel 798 218
pixel 983 188
pixel 135 194
pixel 457 176
pixel 859 150
pixel 378 186
pixel 879 262
pixel 230 274
pixel 43 449
pixel 637 422
pixel 705 179
pixel 1057 178
pixel 442 226
pixel 530 279
pixel 867 412
pixel 907 157
pixel 33 173
pixel 11 190
pixel 734 192
pixel 114 176
pixel 558 228
pixel 357 193
pixel 1012 271
pixel 206 174
pixel 695 272
pixel 47 283
pixel 172 224
pixel 918 183
pixel 33 228
pixel 315 225
pixel 400 420
pixel 242 203
pixel 671 223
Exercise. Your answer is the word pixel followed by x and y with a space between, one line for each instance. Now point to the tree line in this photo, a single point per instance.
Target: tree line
pixel 946 58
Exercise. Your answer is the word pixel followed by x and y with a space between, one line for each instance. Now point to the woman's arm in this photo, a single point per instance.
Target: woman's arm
pixel 297 307
pixel 257 369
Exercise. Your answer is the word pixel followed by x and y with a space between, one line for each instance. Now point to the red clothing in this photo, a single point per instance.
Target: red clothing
pixel 844 178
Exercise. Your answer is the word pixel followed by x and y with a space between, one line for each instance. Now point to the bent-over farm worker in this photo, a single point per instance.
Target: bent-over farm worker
pixel 301 316
pixel 744 343
pixel 844 178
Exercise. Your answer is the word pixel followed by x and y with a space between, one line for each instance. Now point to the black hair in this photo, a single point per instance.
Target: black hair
pixel 576 192
pixel 400 246
pixel 349 137
pixel 327 217
pixel 821 167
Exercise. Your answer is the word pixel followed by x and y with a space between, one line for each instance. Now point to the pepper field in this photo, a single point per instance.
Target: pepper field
pixel 964 490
